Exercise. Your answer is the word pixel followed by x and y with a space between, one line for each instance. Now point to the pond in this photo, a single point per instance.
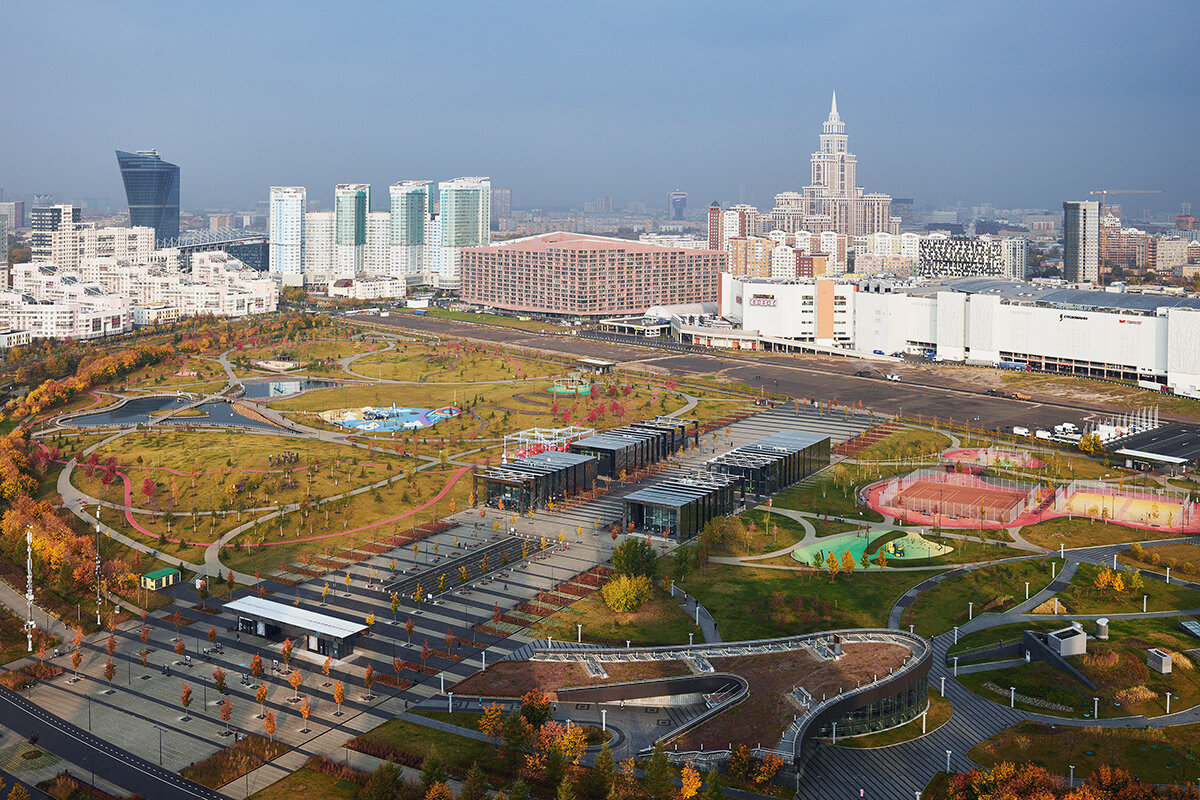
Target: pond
pixel 266 389
pixel 144 409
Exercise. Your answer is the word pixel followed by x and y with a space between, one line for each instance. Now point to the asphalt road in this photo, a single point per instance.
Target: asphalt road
pixel 820 377
pixel 112 763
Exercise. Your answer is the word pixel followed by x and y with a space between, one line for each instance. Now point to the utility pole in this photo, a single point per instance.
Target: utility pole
pixel 97 573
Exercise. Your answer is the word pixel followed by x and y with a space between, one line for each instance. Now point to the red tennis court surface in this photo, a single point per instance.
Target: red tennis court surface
pixel 930 497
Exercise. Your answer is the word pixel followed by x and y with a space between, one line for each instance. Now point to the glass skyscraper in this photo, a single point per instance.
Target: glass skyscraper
pixel 351 202
pixel 152 189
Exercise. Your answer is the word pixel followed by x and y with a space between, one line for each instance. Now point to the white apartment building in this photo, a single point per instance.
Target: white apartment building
pixel 73 242
pixel 318 246
pixel 378 260
pixel 286 211
pixel 368 287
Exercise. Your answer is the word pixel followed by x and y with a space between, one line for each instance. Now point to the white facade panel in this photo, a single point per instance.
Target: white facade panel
pixel 951 325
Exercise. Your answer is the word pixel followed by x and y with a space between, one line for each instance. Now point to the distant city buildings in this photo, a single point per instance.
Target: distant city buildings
pixel 677 205
pixel 501 210
pixel 14 212
pixel 1081 241
pixel 463 214
pixel 960 257
pixel 578 275
pixel 152 189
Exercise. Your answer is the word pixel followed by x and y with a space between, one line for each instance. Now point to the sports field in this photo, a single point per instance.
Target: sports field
pixel 989 502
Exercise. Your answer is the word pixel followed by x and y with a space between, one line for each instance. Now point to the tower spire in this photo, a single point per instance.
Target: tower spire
pixel 833 108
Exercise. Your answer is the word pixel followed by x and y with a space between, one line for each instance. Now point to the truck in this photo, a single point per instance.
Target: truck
pixel 1019 431
pixel 1018 396
pixel 1043 435
pixel 1065 428
pixel 1153 386
pixel 893 377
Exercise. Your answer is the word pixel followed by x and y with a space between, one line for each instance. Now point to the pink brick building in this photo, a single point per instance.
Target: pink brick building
pixel 576 274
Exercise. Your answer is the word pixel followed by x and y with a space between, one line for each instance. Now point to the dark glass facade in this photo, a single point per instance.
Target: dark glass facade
pixel 152 189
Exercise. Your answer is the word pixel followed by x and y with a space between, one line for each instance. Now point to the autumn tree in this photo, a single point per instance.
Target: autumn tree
pixel 260 694
pixel 186 700
pixel 339 696
pixel 226 711
pixel 305 710
pixel 848 563
pixel 269 725
pixel 256 666
pixel 368 679
pixel 689 782
pixel 295 679
pixel 833 565
pixel 110 669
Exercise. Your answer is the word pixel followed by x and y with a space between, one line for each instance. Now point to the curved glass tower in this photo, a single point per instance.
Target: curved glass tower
pixel 152 189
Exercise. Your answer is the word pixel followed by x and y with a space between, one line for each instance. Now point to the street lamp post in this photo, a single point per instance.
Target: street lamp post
pixel 97 569
pixel 970 611
pixel 1012 697
pixel 29 625
pixel 1071 779
pixel 1095 708
pixel 956 666
pixel 947 762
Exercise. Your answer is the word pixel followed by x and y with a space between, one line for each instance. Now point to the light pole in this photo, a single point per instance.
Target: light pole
pixel 956 666
pixel 690 638
pixel 604 719
pixel 956 634
pixel 450 702
pixel 970 611
pixel 97 568
pixel 1026 590
pixel 1095 708
pixel 29 625
pixel 1012 697
pixel 947 762
pixel 1071 780
pixel 943 686
pixel 579 632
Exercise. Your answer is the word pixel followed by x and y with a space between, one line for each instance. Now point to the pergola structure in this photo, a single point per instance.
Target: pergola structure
pixel 532 441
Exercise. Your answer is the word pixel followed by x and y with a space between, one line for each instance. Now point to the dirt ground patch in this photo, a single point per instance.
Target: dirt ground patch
pixel 767 712
pixel 515 678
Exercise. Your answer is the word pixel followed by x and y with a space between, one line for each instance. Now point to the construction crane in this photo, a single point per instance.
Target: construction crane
pixel 1104 193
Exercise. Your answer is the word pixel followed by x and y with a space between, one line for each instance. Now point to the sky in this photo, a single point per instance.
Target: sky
pixel 1019 104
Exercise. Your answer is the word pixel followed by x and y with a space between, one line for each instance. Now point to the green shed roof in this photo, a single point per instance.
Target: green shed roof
pixel 161 573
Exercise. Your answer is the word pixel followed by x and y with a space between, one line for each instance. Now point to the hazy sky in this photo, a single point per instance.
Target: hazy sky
pixel 1015 103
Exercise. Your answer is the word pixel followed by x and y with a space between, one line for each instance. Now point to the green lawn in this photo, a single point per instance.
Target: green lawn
pixel 939 711
pixel 908 443
pixel 1154 755
pixel 783 531
pixel 992 588
pixel 420 362
pixel 659 621
pixel 307 782
pixel 1081 596
pixel 456 751
pixel 826 495
pixel 966 551
pixel 1088 533
pixel 749 602
pixel 1181 558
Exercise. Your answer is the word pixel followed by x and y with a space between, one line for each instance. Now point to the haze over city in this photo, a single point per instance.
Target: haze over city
pixel 1016 104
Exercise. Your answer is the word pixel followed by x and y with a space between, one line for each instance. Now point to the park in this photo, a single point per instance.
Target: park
pixel 398 527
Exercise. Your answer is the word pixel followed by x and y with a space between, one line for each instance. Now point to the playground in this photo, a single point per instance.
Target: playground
pixel 572 387
pixel 912 547
pixel 388 419
pixel 990 457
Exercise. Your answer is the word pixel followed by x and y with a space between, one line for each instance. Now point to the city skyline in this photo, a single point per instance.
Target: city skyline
pixel 979 114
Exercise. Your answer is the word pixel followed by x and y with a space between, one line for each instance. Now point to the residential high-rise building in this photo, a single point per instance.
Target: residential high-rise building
pixel 3 253
pixel 286 210
pixel 409 218
pixel 1081 241
pixel 501 207
pixel 379 246
pixel 714 226
pixel 152 189
pixel 1016 256
pixel 46 221
pixel 834 201
pixel 15 212
pixel 677 205
pixel 318 246
pixel 604 204
pixel 464 213
pixel 351 202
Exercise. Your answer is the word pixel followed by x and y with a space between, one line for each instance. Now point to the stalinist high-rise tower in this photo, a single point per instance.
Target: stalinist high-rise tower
pixel 834 201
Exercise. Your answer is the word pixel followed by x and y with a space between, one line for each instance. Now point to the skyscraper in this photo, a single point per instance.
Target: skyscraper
pixel 409 213
pixel 464 210
pixel 318 246
pixel 1081 241
pixel 501 207
pixel 286 239
pixel 351 202
pixel 834 201
pixel 152 189
pixel 677 205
